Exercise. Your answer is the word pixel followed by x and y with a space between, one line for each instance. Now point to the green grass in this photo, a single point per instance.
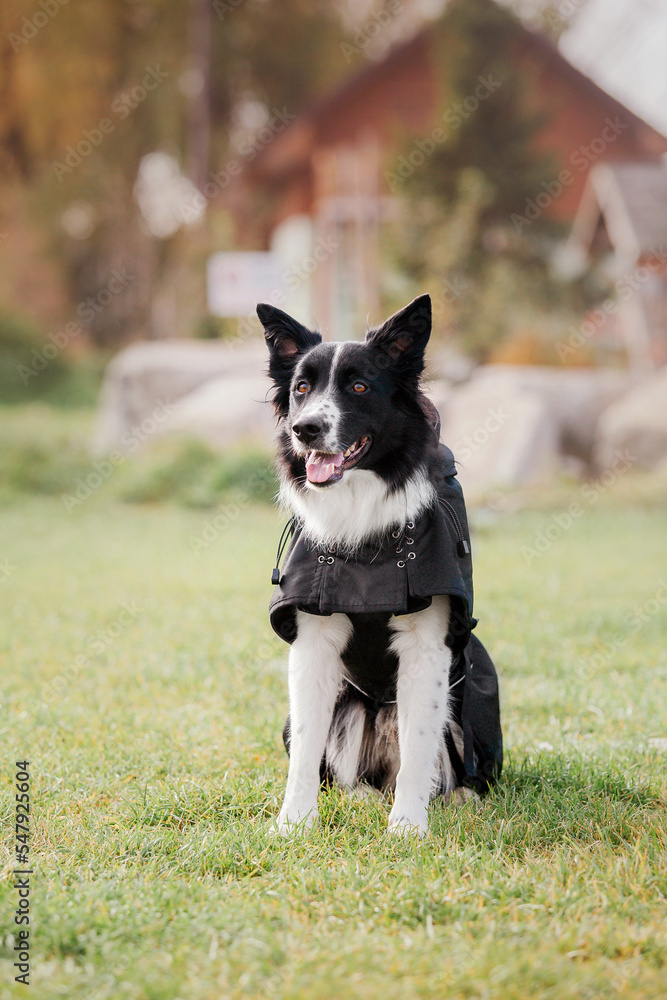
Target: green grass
pixel 157 767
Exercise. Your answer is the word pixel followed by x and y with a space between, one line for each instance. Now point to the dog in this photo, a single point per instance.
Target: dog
pixel 388 688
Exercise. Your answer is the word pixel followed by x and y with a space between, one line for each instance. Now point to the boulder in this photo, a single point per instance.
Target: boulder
pixel 511 425
pixel 223 411
pixel 499 438
pixel 508 425
pixel 146 384
pixel 576 397
pixel 636 424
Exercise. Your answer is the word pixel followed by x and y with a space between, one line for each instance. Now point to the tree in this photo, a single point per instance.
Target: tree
pixel 77 116
pixel 460 202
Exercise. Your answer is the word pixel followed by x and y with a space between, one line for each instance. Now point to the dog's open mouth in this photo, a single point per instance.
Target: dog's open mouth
pixel 324 469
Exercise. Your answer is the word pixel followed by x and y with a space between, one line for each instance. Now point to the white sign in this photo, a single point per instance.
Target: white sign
pixel 237 281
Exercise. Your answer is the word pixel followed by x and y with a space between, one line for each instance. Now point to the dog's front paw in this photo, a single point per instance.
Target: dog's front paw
pixel 295 821
pixel 407 821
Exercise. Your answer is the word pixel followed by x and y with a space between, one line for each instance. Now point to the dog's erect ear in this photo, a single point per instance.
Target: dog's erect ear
pixel 287 340
pixel 404 336
pixel 285 337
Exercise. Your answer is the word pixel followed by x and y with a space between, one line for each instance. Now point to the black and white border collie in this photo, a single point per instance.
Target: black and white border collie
pixel 357 450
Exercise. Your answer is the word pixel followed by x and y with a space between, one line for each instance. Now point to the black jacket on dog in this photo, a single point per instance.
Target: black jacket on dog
pixel 396 575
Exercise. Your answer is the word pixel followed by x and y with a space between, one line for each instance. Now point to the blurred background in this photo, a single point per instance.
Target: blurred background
pixel 166 164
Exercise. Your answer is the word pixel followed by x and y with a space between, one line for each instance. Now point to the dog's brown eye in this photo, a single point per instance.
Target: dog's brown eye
pixel 302 387
pixel 359 387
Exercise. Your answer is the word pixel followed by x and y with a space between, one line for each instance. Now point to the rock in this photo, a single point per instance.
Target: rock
pixel 146 383
pixel 636 423
pixel 224 410
pixel 499 438
pixel 576 397
pixel 508 425
pixel 439 391
pixel 512 425
pixel 450 365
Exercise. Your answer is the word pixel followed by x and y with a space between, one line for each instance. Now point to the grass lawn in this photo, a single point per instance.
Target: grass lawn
pixel 143 683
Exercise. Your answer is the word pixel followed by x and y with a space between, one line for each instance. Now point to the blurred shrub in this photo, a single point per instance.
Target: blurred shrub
pixel 26 372
pixel 42 450
pixel 45 450
pixel 32 367
pixel 38 468
pixel 216 328
pixel 80 388
pixel 189 472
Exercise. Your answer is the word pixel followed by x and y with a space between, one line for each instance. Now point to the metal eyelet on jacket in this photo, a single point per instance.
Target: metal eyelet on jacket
pixel 320 559
pixel 396 534
pixel 331 560
pixel 411 555
pixel 401 563
pixel 410 525
pixel 398 551
pixel 409 541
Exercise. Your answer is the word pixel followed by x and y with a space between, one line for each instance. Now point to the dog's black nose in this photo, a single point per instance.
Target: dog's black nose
pixel 307 431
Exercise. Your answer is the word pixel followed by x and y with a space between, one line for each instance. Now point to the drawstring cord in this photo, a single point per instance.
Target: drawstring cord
pixel 462 545
pixel 288 531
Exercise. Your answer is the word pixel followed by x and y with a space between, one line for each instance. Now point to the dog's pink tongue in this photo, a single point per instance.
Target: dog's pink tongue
pixel 321 467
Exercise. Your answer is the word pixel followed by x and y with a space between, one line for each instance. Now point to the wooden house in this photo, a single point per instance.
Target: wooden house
pixel 325 176
pixel 621 225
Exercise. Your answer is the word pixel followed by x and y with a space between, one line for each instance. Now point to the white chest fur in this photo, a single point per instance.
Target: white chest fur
pixel 357 508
